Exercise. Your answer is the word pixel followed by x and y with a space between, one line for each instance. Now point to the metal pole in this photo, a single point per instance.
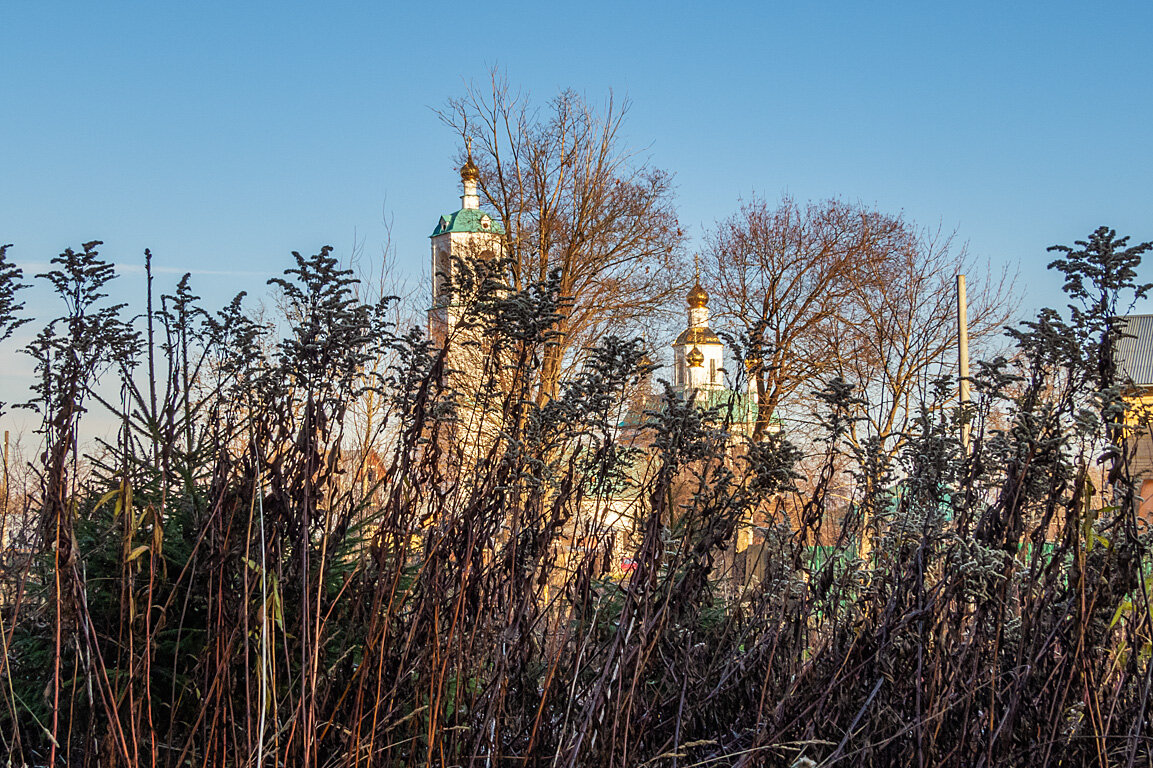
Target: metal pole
pixel 4 499
pixel 963 359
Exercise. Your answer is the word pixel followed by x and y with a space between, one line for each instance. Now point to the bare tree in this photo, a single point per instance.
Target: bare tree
pixel 573 199
pixel 789 276
pixel 901 332
pixel 834 289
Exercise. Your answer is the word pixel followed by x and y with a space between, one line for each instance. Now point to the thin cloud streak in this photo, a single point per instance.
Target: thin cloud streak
pixel 39 267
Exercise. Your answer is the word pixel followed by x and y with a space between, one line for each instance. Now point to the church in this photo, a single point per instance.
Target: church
pixel 698 374
pixel 467 233
pixel 698 353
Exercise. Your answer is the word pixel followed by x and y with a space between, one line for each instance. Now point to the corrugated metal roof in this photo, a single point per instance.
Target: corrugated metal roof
pixel 1135 350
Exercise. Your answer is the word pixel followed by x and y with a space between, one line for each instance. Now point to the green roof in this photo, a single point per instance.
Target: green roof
pixel 744 408
pixel 467 220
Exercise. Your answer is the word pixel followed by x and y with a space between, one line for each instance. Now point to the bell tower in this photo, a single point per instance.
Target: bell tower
pixel 698 354
pixel 469 233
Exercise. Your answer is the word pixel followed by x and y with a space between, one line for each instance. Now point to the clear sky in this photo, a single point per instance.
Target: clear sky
pixel 223 135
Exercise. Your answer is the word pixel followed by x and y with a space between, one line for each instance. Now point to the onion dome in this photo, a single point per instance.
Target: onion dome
pixel 695 336
pixel 697 297
pixel 695 357
pixel 469 171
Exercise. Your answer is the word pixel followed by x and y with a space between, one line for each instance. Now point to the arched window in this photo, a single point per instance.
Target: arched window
pixel 442 271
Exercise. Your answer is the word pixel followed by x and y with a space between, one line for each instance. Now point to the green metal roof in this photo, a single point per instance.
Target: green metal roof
pixel 744 408
pixel 467 220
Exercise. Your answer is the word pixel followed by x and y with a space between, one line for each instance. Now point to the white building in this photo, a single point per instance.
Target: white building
pixel 698 355
pixel 466 233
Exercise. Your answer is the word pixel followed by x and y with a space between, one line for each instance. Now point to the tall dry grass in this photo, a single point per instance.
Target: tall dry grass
pixel 254 573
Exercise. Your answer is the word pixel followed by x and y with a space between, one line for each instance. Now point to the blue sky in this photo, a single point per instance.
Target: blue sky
pixel 225 135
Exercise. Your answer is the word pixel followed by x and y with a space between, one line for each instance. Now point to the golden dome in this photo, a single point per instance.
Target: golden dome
pixel 469 171
pixel 697 297
pixel 696 336
pixel 695 357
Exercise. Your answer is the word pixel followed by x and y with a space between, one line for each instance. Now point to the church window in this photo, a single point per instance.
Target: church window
pixel 713 371
pixel 440 279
